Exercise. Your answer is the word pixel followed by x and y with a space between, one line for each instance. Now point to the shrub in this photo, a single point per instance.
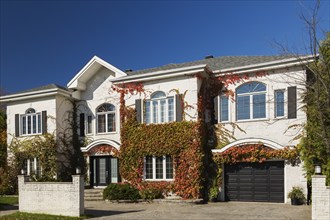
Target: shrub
pixel 124 191
pixel 297 193
pixel 151 193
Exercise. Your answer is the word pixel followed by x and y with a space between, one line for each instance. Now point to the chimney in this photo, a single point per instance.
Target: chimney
pixel 208 57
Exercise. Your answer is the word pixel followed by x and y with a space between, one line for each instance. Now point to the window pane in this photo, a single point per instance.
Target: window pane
pixel 155 111
pixel 157 95
pixel 111 122
pixel 148 113
pixel 259 106
pixel 243 107
pixel 148 167
pixel 106 108
pixel 89 124
pixel 39 123
pixel 29 124
pixel 279 103
pixel 162 110
pixel 170 102
pixel 24 125
pixel 224 108
pixel 159 167
pixel 101 123
pixel 114 170
pixel 169 167
pixel 251 87
pixel 34 124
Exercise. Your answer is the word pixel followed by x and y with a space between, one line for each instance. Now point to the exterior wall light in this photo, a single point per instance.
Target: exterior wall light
pixel 318 170
pixel 78 170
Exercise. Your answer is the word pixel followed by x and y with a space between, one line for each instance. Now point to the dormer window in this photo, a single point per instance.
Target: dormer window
pixel 106 118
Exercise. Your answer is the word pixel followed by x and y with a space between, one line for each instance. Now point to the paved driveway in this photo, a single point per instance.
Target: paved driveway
pixel 220 210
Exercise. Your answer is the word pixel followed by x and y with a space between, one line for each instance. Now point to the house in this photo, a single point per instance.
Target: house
pixel 263 107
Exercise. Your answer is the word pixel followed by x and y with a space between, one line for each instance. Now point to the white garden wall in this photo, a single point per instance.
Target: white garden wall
pixel 52 197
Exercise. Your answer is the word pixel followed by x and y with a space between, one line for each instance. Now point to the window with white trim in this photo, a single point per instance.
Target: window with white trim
pixel 31 122
pixel 106 118
pixel 251 101
pixel 224 108
pixel 279 103
pixel 159 108
pixel 32 166
pixel 158 168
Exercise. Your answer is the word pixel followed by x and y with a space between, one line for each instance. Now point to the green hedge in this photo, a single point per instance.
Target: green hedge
pixel 121 192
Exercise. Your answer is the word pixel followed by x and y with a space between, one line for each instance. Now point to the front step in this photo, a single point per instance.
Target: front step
pixel 93 194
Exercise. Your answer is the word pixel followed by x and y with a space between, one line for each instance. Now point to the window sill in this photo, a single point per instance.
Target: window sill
pixel 252 120
pixel 158 180
pixel 105 133
pixel 280 117
pixel 30 135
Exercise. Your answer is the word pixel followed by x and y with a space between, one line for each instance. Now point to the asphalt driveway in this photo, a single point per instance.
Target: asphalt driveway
pixel 220 210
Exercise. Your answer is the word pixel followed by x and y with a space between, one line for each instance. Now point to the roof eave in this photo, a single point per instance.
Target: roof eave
pixel 163 74
pixel 296 61
pixel 34 94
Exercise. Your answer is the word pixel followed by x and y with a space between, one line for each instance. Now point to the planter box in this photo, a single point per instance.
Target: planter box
pixel 295 201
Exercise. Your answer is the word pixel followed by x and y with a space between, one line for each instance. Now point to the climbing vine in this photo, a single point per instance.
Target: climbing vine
pixel 255 153
pixel 180 140
pixel 42 147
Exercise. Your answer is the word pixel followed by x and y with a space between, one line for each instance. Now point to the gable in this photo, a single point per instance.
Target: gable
pixel 80 80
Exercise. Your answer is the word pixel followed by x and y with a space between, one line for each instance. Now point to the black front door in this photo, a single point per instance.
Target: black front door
pixel 104 170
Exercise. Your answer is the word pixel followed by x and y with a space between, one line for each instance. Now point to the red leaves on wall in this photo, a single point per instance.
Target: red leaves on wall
pixel 255 153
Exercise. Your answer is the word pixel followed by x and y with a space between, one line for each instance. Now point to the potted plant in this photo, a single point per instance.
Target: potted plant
pixel 297 196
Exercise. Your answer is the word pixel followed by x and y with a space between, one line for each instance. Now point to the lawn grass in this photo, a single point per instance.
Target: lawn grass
pixel 30 216
pixel 8 200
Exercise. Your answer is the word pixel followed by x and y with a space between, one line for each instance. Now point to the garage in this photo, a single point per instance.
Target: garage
pixel 255 182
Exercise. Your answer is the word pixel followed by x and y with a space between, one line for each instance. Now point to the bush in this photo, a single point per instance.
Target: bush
pixel 8 181
pixel 297 193
pixel 124 191
pixel 151 193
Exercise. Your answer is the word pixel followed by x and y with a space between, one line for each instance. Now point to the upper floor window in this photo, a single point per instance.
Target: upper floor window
pixel 106 118
pixel 251 101
pixel 279 103
pixel 159 108
pixel 224 108
pixel 31 122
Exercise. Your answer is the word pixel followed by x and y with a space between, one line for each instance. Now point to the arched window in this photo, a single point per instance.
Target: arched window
pixel 106 118
pixel 31 122
pixel 251 101
pixel 159 108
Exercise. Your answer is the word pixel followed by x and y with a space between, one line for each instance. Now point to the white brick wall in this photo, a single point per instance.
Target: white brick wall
pixel 320 198
pixel 52 198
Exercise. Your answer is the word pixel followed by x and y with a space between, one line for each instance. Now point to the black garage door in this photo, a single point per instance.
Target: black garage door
pixel 255 182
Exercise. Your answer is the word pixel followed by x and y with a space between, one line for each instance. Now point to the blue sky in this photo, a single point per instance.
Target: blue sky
pixel 44 42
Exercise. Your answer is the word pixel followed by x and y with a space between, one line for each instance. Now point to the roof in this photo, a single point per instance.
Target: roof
pixel 42 91
pixel 218 63
pixel 41 88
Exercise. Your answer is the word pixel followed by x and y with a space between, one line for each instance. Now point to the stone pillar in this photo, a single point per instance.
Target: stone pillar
pixel 78 181
pixel 320 198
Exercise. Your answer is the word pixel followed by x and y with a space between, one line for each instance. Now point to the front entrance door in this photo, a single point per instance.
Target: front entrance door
pixel 104 170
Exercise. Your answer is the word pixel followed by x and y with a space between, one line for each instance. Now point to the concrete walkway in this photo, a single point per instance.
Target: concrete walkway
pixel 221 210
